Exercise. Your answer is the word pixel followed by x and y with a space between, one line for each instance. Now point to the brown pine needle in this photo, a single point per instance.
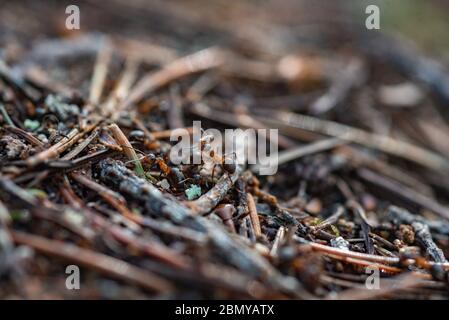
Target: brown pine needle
pixel 128 149
pixel 66 142
pixel 102 263
pixel 253 215
pixel 56 149
pixel 196 62
pixel 110 107
pixel 99 74
pixel 277 241
pixel 364 256
pixel 386 144
pixel 208 201
pixel 6 117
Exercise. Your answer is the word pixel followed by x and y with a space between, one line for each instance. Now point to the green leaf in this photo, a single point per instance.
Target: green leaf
pixel 335 230
pixel 31 124
pixel 193 192
pixel 16 215
pixel 38 193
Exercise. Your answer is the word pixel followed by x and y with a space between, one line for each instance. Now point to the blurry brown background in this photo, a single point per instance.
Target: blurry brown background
pixel 196 23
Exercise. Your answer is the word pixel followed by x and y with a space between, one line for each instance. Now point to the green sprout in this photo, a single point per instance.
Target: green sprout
pixel 31 124
pixel 193 192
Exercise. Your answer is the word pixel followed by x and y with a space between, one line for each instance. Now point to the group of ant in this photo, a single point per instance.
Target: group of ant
pixel 176 177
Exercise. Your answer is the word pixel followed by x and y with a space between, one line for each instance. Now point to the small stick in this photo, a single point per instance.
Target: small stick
pixel 166 227
pixel 200 87
pixel 149 53
pixel 102 263
pixel 153 249
pixel 54 150
pixel 425 239
pixel 242 208
pixel 80 147
pixel 410 61
pixel 6 117
pixel 382 241
pixel 99 74
pixel 72 137
pixel 26 135
pixel 196 62
pixel 386 144
pixel 17 82
pixel 250 227
pixel 208 201
pixel 128 148
pixel 243 120
pixel 404 192
pixel 333 280
pixel 364 263
pixel 351 76
pixel 142 126
pixel 366 228
pixel 120 91
pixel 175 112
pixel 383 251
pixel 331 220
pixel 403 216
pixel 277 241
pixel 39 78
pixel 165 134
pixel 69 195
pixel 350 254
pixel 362 256
pixel 301 151
pixel 115 199
pixel 364 159
pixel 386 287
pixel 5 218
pixel 253 215
pixel 243 228
pixel 90 159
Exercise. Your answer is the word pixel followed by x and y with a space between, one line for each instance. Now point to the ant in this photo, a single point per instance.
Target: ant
pixel 229 166
pixel 226 165
pixel 174 175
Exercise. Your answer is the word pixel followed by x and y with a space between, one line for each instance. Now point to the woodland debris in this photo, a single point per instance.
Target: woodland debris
pixel 88 124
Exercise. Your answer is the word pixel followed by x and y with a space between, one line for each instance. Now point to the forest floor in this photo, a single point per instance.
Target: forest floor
pixel 358 206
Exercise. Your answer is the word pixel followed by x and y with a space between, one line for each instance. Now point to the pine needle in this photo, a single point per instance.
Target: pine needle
pixel 127 148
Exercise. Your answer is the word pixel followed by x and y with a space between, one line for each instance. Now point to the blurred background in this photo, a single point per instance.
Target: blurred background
pixel 276 24
pixel 300 46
